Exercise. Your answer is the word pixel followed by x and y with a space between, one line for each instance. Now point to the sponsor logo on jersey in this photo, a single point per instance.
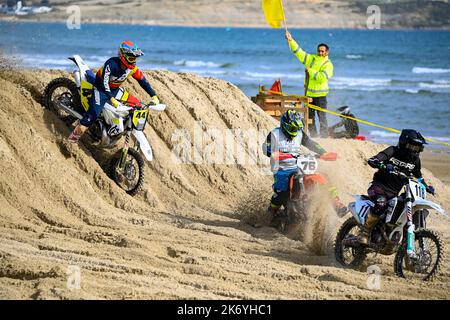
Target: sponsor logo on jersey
pixel 399 163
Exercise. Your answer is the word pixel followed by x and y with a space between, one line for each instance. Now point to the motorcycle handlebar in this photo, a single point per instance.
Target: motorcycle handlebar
pixel 155 107
pixel 331 156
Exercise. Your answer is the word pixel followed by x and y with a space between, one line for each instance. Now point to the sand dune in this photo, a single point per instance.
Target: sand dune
pixel 185 235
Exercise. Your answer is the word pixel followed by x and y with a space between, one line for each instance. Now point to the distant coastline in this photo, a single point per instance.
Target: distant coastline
pixel 305 14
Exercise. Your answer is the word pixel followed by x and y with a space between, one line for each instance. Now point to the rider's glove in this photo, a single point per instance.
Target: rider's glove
pixel 154 100
pixel 114 102
pixel 388 167
pixel 430 189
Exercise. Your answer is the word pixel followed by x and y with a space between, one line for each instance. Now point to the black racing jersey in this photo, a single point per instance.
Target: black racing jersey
pixel 404 161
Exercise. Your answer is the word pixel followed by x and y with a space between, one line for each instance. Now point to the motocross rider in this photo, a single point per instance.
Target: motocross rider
pixel 280 144
pixel 405 158
pixel 107 82
pixel 351 129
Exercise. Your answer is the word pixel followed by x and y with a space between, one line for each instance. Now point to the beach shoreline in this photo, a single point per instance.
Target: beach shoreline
pixel 15 19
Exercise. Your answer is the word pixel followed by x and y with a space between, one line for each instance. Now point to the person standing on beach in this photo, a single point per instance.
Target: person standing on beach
pixel 319 69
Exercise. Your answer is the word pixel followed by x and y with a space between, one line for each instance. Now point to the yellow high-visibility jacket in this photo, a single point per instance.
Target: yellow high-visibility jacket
pixel 320 70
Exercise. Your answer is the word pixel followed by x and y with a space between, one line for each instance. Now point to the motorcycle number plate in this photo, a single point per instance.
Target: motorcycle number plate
pixel 308 165
pixel 139 119
pixel 417 189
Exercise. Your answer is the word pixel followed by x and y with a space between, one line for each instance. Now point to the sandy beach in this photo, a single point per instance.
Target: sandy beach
pixel 438 162
pixel 187 235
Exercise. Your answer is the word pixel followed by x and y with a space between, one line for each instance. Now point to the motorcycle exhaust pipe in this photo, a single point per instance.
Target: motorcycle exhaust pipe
pixel 71 112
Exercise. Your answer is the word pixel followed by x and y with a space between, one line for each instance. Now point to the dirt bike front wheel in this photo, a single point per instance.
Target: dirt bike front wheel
pixel 348 256
pixel 130 177
pixel 429 249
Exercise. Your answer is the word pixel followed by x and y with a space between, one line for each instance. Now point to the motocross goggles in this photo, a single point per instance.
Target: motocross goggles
pixel 292 127
pixel 413 147
pixel 129 58
pixel 131 54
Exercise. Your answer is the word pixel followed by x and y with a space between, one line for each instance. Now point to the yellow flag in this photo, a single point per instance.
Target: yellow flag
pixel 273 11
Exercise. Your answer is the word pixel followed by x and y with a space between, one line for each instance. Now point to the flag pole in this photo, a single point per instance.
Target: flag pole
pixel 284 17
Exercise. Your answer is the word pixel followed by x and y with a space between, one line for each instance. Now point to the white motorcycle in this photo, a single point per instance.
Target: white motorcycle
pixel 402 230
pixel 69 100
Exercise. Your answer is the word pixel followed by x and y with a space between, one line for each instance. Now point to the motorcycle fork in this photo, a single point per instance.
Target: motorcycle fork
pixel 123 155
pixel 422 223
pixel 410 226
pixel 295 187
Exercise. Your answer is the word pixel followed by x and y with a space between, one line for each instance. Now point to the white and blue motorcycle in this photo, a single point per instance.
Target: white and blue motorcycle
pixel 402 229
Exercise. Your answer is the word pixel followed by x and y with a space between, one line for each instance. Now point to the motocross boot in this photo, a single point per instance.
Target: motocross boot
pixel 370 222
pixel 339 207
pixel 77 132
pixel 272 210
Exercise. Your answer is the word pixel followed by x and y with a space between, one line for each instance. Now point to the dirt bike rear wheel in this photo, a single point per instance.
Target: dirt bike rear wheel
pixel 131 177
pixel 348 257
pixel 62 91
pixel 424 267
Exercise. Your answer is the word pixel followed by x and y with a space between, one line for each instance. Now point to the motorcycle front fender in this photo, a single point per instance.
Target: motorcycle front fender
pixel 352 209
pixel 144 145
pixel 360 208
pixel 420 204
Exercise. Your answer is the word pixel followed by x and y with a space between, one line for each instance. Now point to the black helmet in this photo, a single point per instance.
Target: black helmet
pixel 411 140
pixel 344 110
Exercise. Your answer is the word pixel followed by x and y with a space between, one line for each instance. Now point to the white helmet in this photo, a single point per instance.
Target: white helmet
pixel 344 110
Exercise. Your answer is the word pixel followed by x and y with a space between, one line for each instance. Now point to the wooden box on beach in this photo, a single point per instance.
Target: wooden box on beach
pixel 276 105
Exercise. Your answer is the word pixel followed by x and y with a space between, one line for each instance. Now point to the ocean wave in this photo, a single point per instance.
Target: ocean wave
pixel 383 134
pixel 421 70
pixel 434 85
pixel 45 61
pixel 196 64
pixel 203 71
pixel 353 56
pixel 390 136
pixel 337 87
pixel 258 75
pixel 441 82
pixel 390 90
pixel 97 58
pixel 358 82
